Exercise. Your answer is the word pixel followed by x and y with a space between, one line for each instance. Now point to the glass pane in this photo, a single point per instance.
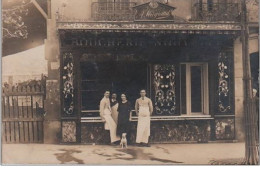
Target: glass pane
pixel 116 76
pixel 183 89
pixel 196 99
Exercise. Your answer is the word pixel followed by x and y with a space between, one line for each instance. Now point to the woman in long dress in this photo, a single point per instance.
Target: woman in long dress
pixel 124 109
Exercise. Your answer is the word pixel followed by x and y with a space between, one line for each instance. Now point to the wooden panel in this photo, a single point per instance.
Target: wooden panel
pixel 3 132
pixel 12 132
pixel 21 127
pixel 11 107
pixel 23 93
pixel 3 107
pixel 30 131
pixel 40 130
pixel 20 110
pixel 8 135
pixel 33 111
pixel 17 136
pixel 19 121
pixel 15 108
pixel 7 107
pixel 29 106
pixel 26 132
pixel 35 131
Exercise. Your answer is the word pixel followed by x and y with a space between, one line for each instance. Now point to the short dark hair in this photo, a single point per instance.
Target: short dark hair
pixel 124 94
pixel 106 91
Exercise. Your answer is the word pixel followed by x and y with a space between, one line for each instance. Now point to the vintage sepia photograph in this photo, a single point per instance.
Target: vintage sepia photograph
pixel 130 82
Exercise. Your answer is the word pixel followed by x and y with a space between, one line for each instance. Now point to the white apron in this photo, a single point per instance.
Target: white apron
pixel 143 125
pixel 110 125
pixel 115 113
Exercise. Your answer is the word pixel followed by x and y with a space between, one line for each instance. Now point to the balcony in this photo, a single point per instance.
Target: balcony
pixel 112 11
pixel 216 12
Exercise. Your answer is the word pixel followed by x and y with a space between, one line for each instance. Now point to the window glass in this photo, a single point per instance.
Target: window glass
pixel 196 93
pixel 117 77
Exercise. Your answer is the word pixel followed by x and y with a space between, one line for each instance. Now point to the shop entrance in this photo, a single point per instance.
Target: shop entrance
pixel 194 88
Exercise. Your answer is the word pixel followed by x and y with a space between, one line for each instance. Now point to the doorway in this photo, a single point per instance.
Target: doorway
pixel 194 89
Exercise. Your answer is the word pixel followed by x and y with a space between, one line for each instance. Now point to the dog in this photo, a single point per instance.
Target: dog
pixel 123 142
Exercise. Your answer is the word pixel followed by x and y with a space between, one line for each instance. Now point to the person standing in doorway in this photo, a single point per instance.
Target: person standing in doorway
pixel 143 109
pixel 106 115
pixel 114 106
pixel 124 110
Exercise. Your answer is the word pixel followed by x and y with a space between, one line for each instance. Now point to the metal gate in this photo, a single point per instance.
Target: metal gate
pixel 23 112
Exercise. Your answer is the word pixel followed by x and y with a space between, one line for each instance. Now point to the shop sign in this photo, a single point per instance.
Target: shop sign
pixel 153 11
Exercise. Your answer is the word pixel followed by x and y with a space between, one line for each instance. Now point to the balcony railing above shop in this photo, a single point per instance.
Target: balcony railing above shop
pixel 214 12
pixel 112 11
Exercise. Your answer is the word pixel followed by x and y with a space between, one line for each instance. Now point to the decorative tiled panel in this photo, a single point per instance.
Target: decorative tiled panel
pixel 164 89
pixel 180 131
pixel 69 131
pixel 161 132
pixel 225 100
pixel 225 128
pixel 68 87
pixel 94 133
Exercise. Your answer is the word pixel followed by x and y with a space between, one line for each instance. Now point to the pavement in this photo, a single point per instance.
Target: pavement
pixel 157 154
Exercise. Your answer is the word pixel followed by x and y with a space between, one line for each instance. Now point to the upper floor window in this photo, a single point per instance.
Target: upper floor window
pixel 112 10
pixel 216 10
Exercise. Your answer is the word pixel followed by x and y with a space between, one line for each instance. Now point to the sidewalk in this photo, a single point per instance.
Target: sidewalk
pixel 107 155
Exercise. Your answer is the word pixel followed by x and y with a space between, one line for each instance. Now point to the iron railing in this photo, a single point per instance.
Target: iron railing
pixel 213 12
pixel 112 11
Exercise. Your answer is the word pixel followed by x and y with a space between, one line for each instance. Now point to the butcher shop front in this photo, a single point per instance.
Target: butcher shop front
pixel 186 68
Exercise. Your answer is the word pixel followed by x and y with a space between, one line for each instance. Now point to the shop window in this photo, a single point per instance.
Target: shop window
pixel 116 76
pixel 194 88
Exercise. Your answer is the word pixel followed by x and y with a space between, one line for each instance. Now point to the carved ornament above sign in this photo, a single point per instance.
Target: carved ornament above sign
pixel 153 11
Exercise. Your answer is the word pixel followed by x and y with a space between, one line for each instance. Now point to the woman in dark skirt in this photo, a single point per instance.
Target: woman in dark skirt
pixel 124 109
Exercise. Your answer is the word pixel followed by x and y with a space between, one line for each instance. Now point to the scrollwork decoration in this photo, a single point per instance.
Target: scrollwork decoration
pixel 224 78
pixel 68 88
pixel 164 88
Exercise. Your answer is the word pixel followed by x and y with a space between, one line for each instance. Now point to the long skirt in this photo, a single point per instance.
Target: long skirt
pixel 110 125
pixel 143 125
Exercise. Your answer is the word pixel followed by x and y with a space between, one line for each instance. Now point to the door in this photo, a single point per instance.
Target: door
pixel 194 88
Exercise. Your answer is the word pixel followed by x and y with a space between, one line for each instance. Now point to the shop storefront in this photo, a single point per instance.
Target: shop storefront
pixel 190 68
pixel 187 74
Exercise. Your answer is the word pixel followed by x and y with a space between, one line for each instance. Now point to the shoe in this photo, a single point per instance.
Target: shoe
pixel 147 145
pixel 139 144
pixel 113 144
pixel 117 142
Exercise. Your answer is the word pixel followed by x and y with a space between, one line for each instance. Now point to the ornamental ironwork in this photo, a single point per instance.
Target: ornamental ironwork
pixel 68 88
pixel 164 89
pixel 112 11
pixel 224 97
pixel 212 12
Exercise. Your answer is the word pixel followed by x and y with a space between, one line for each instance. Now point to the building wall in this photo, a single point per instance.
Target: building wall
pixel 81 9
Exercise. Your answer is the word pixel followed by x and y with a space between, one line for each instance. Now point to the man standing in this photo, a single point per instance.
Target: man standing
pixel 105 114
pixel 143 109
pixel 114 106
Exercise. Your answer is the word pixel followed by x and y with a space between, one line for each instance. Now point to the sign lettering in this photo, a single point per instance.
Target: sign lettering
pixel 154 11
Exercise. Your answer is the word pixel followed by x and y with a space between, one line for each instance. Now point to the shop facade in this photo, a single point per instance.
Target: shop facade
pixel 190 68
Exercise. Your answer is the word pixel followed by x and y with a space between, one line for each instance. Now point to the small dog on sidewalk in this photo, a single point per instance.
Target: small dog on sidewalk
pixel 123 142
